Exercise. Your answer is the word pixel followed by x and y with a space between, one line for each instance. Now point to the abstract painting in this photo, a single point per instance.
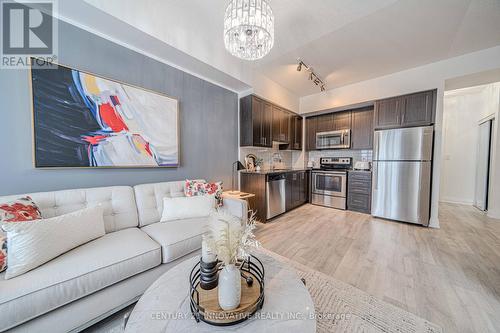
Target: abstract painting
pixel 83 120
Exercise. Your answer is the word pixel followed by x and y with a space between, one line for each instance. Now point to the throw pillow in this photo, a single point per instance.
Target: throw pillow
pixel 31 244
pixel 19 210
pixel 181 208
pixel 22 209
pixel 3 252
pixel 196 188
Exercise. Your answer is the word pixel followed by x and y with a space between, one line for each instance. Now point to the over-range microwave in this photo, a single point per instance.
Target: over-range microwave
pixel 333 139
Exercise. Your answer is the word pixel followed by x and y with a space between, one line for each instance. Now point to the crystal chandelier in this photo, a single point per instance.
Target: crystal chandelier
pixel 249 28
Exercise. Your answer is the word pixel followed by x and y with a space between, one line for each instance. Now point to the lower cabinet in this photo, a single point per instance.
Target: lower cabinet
pixel 359 189
pixel 296 189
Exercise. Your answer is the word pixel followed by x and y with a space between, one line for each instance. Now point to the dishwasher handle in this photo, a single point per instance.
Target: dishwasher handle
pixel 276 177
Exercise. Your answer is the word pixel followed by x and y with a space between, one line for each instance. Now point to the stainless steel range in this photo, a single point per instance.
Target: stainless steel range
pixel 329 182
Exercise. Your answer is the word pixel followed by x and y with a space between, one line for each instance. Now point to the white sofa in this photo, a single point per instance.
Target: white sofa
pixel 92 281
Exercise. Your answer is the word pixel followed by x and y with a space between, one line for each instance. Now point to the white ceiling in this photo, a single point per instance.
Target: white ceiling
pixel 345 41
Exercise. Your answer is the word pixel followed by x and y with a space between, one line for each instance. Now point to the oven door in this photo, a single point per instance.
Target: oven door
pixel 333 184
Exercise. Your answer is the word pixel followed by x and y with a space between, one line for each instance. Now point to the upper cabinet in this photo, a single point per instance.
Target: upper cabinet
pixel 281 125
pixel 296 133
pixel 342 120
pixel 406 111
pixel 333 121
pixel 362 129
pixel 325 123
pixel 262 122
pixel 311 129
pixel 419 109
pixel 388 112
pixel 255 122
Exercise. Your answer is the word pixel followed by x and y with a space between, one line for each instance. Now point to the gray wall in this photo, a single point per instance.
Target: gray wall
pixel 208 118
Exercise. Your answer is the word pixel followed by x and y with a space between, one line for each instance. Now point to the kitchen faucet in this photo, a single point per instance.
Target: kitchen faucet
pixel 275 158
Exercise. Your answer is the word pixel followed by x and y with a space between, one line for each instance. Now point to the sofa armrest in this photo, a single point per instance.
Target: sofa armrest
pixel 236 207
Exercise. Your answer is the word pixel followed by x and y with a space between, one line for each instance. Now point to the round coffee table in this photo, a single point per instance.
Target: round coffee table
pixel 164 307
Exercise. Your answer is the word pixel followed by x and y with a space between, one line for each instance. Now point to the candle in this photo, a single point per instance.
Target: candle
pixel 206 255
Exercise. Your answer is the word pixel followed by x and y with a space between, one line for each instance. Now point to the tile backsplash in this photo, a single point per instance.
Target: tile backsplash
pixel 357 155
pixel 289 158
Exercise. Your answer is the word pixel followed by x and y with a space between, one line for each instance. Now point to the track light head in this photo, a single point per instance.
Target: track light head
pixel 312 75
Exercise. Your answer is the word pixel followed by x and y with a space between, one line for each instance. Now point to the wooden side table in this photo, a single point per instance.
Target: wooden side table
pixel 248 197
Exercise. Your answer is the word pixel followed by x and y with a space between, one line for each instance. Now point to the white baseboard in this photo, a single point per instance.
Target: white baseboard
pixel 456 201
pixel 493 214
pixel 434 223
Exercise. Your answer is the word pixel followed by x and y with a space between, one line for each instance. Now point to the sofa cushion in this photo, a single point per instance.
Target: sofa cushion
pixel 120 211
pixel 177 238
pixel 75 274
pixel 149 198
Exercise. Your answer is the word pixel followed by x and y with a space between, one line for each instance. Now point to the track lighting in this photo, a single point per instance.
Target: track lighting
pixel 312 76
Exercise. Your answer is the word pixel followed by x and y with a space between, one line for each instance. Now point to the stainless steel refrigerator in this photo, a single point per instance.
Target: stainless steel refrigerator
pixel 402 162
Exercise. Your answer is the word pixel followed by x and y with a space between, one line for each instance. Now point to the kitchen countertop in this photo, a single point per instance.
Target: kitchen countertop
pixel 268 172
pixel 348 170
pixel 363 171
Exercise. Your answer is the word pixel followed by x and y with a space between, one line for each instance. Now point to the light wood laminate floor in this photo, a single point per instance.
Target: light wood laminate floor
pixel 450 276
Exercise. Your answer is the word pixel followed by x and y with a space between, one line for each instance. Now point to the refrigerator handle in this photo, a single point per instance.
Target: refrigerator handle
pixel 375 176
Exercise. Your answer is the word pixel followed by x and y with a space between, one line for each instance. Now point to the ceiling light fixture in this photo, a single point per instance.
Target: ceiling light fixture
pixel 312 75
pixel 249 29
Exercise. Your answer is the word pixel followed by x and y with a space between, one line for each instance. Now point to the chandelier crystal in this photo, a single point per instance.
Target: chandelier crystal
pixel 249 28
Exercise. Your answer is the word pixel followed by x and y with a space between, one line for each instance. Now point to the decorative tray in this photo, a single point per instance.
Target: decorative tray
pixel 205 303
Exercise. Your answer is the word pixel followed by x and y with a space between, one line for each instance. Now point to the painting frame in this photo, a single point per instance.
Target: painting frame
pixel 72 68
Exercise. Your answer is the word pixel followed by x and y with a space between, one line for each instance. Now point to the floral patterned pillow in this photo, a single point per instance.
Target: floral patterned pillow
pixel 3 252
pixel 19 210
pixel 196 187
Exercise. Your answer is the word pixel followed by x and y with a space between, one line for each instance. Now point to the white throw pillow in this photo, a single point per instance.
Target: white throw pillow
pixel 181 208
pixel 31 244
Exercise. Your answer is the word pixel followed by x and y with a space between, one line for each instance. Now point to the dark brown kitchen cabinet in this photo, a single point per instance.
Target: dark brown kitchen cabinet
pixel 362 129
pixel 296 133
pixel 255 122
pixel 255 183
pixel 325 123
pixel 267 124
pixel 296 189
pixel 388 113
pixel 311 129
pixel 419 109
pixel 416 109
pixel 359 189
pixel 341 120
pixel 281 124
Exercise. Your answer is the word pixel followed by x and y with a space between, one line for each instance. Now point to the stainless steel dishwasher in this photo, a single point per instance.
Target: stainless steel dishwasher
pixel 275 195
